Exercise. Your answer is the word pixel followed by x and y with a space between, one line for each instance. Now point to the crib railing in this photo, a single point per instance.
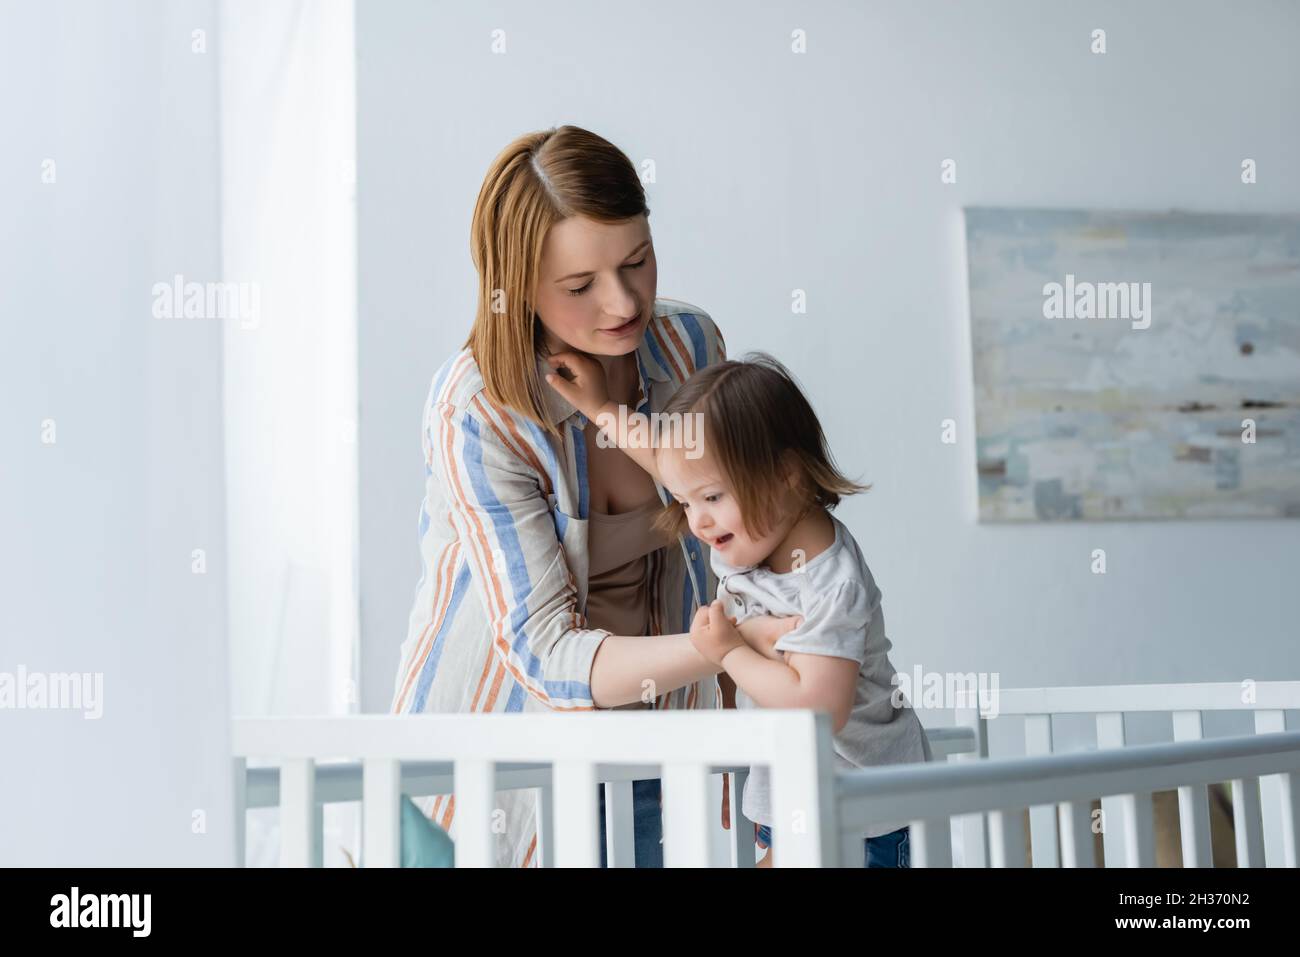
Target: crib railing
pixel 564 756
pixel 1262 809
pixel 932 795
pixel 339 782
pixel 343 781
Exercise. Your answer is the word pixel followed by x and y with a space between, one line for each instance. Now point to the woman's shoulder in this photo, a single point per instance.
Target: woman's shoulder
pixel 683 336
pixel 458 399
pixel 457 381
pixel 685 316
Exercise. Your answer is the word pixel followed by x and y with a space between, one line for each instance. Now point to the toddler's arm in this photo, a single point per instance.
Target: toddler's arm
pixel 819 682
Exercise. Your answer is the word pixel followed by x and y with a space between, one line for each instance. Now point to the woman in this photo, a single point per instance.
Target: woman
pixel 544 586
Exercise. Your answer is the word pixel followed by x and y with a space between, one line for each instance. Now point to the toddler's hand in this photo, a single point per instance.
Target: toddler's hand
pixel 586 389
pixel 713 634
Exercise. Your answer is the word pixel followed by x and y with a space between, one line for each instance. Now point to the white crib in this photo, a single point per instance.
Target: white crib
pixel 820 812
pixel 1264 809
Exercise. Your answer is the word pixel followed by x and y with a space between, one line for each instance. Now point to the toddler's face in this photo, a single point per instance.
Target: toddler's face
pixel 712 510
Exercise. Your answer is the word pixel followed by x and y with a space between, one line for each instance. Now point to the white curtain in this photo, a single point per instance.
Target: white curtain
pixel 288 159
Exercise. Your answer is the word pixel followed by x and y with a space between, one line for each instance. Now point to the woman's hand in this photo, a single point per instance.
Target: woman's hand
pixel 585 389
pixel 713 634
pixel 762 632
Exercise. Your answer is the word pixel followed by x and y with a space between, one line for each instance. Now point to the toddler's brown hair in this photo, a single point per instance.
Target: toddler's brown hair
pixel 755 419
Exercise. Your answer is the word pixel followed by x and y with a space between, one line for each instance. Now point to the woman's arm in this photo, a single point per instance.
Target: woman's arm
pixel 629 669
pixel 503 521
pixel 587 391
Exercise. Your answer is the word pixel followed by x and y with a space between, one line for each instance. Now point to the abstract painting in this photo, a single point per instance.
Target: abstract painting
pixel 1135 365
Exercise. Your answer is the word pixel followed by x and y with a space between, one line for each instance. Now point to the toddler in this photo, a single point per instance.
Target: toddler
pixel 758 490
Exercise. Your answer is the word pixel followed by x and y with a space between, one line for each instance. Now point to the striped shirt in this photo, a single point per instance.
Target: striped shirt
pixel 498 620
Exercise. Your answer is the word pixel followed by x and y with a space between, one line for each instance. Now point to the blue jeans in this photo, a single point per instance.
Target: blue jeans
pixel 888 850
pixel 647 821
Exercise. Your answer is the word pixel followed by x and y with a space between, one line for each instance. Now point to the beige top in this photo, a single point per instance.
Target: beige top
pixel 618 593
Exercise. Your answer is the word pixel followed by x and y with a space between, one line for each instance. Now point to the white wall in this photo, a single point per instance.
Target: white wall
pixel 97 530
pixel 821 172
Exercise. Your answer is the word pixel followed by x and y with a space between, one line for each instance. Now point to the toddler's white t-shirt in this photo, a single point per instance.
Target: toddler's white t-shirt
pixel 840 604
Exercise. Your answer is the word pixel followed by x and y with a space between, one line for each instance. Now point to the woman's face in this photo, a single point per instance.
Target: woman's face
pixel 597 284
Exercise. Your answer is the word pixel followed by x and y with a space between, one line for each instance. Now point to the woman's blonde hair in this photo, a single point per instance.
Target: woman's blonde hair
pixel 538 180
pixel 757 424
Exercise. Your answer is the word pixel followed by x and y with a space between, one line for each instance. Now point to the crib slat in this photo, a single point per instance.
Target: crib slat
pixel 685 815
pixel 545 825
pixel 1110 734
pixel 803 792
pixel 1193 800
pixel 1269 721
pixel 620 825
pixel 1042 818
pixel 1289 798
pixel 298 835
pixel 577 819
pixel 1139 831
pixel 972 829
pixel 318 832
pixel 475 796
pixel 1076 834
pixel 931 842
pixel 1276 801
pixel 380 812
pixel 1194 825
pixel 1247 823
pixel 239 773
pixel 1006 839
